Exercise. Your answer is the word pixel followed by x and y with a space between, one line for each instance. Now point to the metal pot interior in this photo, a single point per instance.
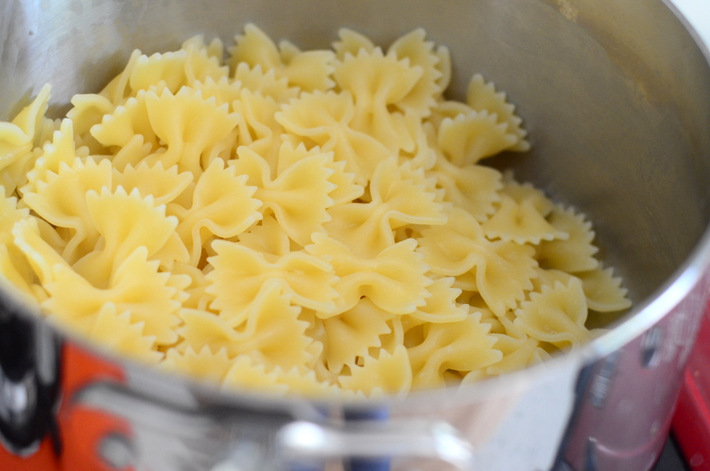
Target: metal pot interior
pixel 616 98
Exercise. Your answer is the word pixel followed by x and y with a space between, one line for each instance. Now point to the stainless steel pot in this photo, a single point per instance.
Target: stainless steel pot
pixel 616 98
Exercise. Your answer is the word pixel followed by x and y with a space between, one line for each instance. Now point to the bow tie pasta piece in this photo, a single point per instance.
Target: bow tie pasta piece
pixel 441 306
pixel 504 273
pixel 163 185
pixel 501 271
pixel 258 129
pixel 394 280
pixel 424 155
pixel 176 69
pixel 136 287
pixel 324 120
pixel 29 130
pixel 352 333
pixel 422 97
pixel 555 315
pixel 18 139
pixel 204 60
pixel 16 273
pixel 409 191
pixel 32 121
pixel 268 238
pixel 470 137
pixel 254 47
pixel 249 373
pixel 309 70
pixel 344 187
pixel 203 364
pixel 116 332
pixel 87 111
pixel 273 332
pixel 10 214
pixel 41 256
pixel 60 199
pixel 399 196
pixel 14 267
pixel 224 90
pixel 166 68
pixel 461 347
pixel 603 290
pixel 264 82
pixel 483 96
pixel 245 372
pixel 309 280
pixel 452 249
pixel 574 254
pixel 378 82
pixel 526 193
pixel 119 127
pixel 306 382
pixel 473 188
pixel 188 124
pixel 447 109
pixel 201 329
pixel 223 204
pixel 388 373
pixel 60 150
pixel 350 43
pixel 298 195
pixel 520 223
pixel 133 153
pixel 118 90
pixel 125 222
pixel 518 352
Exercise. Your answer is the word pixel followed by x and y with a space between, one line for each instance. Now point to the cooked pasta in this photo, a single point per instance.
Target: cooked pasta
pixel 303 222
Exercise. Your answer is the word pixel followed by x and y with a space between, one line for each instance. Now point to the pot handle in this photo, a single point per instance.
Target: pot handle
pixel 304 441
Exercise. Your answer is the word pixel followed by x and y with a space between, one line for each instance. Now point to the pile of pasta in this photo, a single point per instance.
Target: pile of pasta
pixel 306 222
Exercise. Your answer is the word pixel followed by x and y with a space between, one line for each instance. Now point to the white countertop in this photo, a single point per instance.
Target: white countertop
pixel 697 13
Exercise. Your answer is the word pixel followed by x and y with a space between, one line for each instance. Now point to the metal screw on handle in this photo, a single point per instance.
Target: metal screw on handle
pixel 309 441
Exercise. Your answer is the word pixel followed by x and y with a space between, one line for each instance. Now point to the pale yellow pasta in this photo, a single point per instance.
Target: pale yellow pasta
pixel 310 70
pixel 326 120
pixel 124 123
pixel 460 346
pixel 399 197
pixel 483 96
pixel 351 42
pixel 520 223
pixel 352 333
pixel 263 81
pixel 298 195
pixel 470 137
pixel 574 254
pixel 388 373
pixel 378 82
pixel 420 53
pixel 19 137
pixel 473 188
pixel 603 290
pixel 303 222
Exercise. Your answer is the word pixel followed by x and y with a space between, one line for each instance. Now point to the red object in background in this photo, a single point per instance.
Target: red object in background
pixel 691 422
pixel 80 429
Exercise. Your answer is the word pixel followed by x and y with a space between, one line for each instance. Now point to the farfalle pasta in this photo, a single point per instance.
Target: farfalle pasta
pixel 304 222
